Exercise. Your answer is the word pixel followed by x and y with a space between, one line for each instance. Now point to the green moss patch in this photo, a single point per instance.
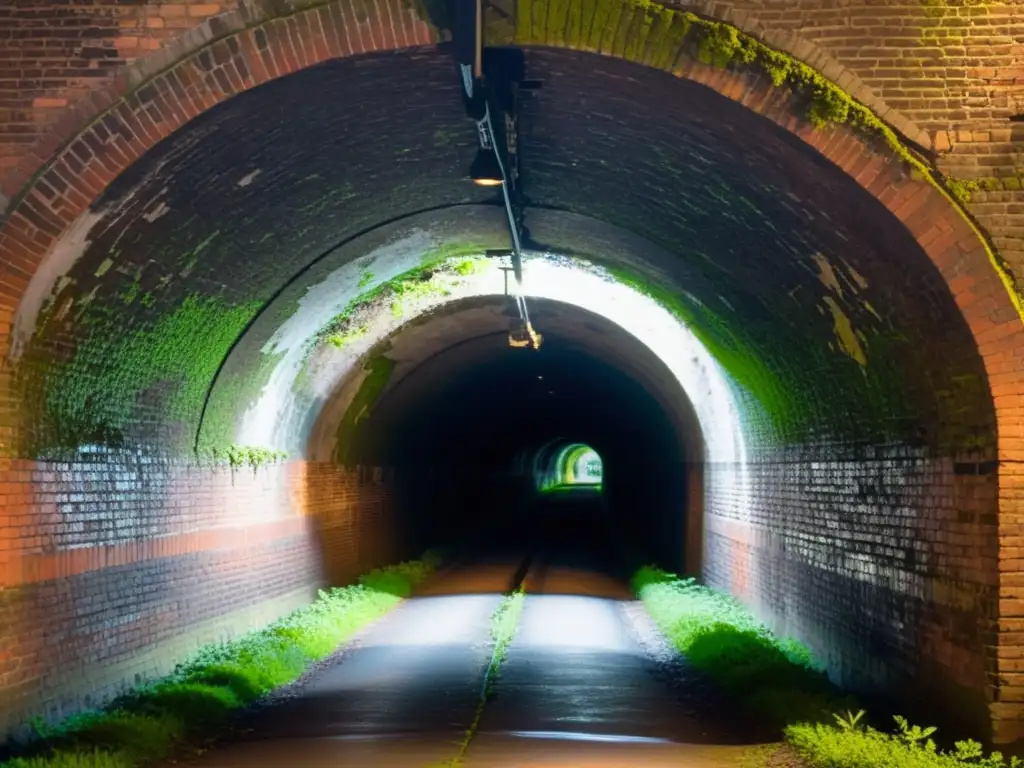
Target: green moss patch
pixel 418 282
pixel 237 456
pixel 204 692
pixel 171 360
pixel 504 623
pixel 743 363
pixel 234 391
pixel 964 189
pixel 379 370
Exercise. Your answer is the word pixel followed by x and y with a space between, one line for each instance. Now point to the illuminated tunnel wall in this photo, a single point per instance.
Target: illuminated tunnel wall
pixel 814 406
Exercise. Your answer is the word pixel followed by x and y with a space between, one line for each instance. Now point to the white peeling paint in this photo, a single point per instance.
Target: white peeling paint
pixel 317 307
pixel 41 288
pixel 248 179
pixel 161 209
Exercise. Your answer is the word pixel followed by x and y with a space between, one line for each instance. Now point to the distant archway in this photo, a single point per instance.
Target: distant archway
pixel 576 465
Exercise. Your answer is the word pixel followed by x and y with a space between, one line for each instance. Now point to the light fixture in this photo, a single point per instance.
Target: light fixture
pixel 485 170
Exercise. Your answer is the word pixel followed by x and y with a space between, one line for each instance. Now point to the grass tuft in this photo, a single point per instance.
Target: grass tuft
pixel 202 694
pixel 504 622
pixel 780 680
pixel 96 759
pixel 776 678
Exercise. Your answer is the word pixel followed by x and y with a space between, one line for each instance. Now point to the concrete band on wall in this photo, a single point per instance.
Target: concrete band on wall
pixel 889 350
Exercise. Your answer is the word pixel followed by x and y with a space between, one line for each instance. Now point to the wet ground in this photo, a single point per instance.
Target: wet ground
pixel 586 682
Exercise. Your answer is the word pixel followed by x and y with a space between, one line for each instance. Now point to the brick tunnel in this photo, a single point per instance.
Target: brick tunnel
pixel 254 344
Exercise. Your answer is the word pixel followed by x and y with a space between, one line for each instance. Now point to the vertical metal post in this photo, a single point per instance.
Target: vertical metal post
pixel 478 55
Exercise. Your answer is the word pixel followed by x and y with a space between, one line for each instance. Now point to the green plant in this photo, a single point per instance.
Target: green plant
pixel 95 759
pixel 824 746
pixel 915 734
pixel 237 456
pixel 504 622
pixel 849 721
pixel 777 678
pixel 201 694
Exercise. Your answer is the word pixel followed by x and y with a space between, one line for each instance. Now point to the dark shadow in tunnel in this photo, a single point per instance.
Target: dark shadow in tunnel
pixel 462 429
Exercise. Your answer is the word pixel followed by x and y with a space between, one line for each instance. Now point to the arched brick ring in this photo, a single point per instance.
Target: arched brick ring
pixel 249 51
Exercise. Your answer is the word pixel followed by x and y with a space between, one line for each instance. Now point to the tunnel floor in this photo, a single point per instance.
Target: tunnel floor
pixel 580 685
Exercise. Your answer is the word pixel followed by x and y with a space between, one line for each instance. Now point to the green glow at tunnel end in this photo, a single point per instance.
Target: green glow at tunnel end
pixel 575 467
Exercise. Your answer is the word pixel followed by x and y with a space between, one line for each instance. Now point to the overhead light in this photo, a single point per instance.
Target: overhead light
pixel 485 170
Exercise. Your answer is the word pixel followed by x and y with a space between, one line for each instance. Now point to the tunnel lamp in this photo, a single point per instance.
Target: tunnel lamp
pixel 521 336
pixel 485 170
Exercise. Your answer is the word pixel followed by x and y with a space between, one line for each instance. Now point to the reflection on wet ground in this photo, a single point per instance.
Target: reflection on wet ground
pixel 576 688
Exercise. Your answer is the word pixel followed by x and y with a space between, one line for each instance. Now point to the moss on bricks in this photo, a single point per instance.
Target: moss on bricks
pixel 348 325
pixel 744 365
pixel 964 189
pixel 237 456
pixel 233 393
pixel 379 369
pixel 649 33
pixel 94 396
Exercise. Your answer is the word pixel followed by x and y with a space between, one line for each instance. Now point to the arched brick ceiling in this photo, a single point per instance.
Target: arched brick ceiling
pixel 811 293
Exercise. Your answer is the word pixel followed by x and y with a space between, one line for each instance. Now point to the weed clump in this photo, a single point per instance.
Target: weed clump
pixel 777 678
pixel 780 680
pixel 849 744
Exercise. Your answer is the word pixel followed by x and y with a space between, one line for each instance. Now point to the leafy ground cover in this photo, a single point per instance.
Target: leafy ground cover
pixel 204 692
pixel 780 680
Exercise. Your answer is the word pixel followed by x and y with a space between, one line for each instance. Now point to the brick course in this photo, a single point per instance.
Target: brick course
pixel 106 581
pixel 886 567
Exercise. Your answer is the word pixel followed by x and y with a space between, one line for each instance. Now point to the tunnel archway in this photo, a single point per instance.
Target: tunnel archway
pixel 883 413
pixel 460 402
pixel 573 465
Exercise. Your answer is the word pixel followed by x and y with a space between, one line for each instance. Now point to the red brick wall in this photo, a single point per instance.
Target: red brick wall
pixel 53 54
pixel 886 566
pixel 112 570
pixel 775 550
pixel 950 71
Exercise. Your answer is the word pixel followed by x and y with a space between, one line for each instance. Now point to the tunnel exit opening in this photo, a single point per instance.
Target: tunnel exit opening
pixel 575 467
